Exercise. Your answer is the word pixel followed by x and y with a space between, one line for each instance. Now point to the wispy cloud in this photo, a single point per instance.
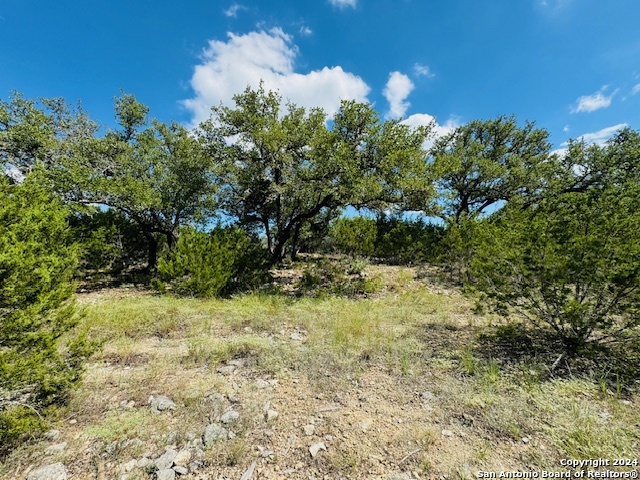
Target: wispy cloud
pixel 396 91
pixel 636 89
pixel 343 3
pixel 305 31
pixel 596 101
pixel 553 6
pixel 601 136
pixel 227 67
pixel 233 10
pixel 422 71
pixel 598 138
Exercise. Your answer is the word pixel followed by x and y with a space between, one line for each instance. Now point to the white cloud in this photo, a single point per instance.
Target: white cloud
pixel 424 119
pixel 305 31
pixel 228 67
pixel 591 103
pixel 423 71
pixel 599 138
pixel 437 130
pixel 233 10
pixel 396 91
pixel 343 3
pixel 636 89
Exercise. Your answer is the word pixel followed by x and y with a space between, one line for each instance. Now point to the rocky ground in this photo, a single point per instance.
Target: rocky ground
pixel 394 387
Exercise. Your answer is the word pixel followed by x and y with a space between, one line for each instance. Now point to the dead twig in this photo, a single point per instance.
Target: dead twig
pixel 409 455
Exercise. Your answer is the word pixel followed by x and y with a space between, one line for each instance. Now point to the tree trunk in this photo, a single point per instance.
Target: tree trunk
pixel 152 254
pixel 171 239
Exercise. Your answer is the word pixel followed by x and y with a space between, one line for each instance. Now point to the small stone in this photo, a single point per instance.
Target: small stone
pixel 165 460
pixel 233 399
pixel 266 453
pixel 55 471
pixel 214 433
pixel 166 474
pixel 329 438
pixel 56 449
pixel 226 369
pixel 217 398
pixel 127 404
pixel 365 424
pixel 183 458
pixel 73 421
pixel 447 433
pixel 238 362
pixel 526 439
pixel 229 417
pixel 296 337
pixel 52 434
pixel 399 476
pixel 315 448
pixel 309 430
pixel 161 403
pixel 171 438
pixel 144 462
pixel 338 398
pixel 271 415
pixel 127 467
pixel 427 396
pixel 260 383
pixel 180 470
pixel 112 447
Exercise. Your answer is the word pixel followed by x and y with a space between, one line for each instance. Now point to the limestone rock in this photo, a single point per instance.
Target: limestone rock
pixel 166 474
pixel 56 449
pixel 160 403
pixel 165 460
pixel 271 415
pixel 214 433
pixel 55 471
pixel 315 448
pixel 229 417
pixel 183 458
pixel 180 470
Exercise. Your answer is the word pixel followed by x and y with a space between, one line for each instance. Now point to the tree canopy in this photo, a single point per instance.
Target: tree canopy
pixel 282 168
pixel 158 175
pixel 486 162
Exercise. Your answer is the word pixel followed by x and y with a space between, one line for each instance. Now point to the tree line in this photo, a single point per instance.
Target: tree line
pixel 553 238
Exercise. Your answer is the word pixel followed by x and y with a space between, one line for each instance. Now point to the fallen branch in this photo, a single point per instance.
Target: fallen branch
pixel 408 455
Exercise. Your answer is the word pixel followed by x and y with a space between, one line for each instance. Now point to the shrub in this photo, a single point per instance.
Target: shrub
pixel 354 236
pixel 406 242
pixel 37 263
pixel 221 262
pixel 109 241
pixel 343 278
pixel 571 263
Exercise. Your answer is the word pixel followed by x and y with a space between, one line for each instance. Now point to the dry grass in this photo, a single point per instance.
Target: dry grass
pixel 410 380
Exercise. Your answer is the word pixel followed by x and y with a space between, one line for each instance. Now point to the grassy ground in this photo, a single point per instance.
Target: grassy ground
pixel 408 381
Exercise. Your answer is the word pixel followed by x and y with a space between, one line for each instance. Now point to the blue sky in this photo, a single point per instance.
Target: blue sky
pixel 573 66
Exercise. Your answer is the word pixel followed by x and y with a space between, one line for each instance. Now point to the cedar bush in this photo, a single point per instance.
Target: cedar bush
pixel 407 241
pixel 37 262
pixel 571 263
pixel 109 241
pixel 353 236
pixel 222 262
